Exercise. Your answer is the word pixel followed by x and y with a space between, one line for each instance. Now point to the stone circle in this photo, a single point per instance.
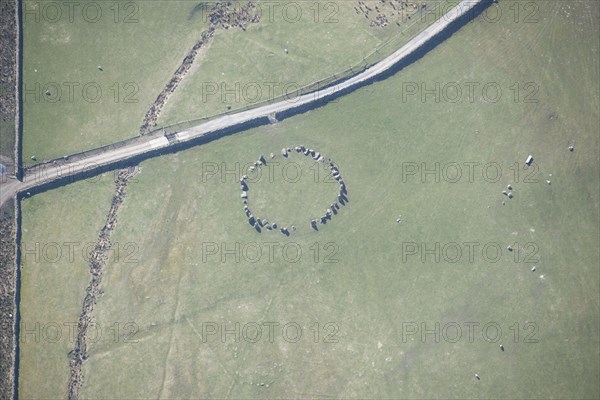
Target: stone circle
pixel 331 209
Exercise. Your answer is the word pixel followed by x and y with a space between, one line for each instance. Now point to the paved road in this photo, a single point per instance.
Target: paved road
pixel 36 177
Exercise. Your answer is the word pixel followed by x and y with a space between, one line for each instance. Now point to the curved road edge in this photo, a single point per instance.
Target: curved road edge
pixel 69 172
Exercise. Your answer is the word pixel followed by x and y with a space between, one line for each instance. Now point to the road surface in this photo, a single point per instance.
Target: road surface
pixel 47 173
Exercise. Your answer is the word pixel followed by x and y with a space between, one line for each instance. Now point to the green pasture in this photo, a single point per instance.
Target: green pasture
pixel 322 39
pixel 353 288
pixel 138 45
pixel 59 230
pixel 70 105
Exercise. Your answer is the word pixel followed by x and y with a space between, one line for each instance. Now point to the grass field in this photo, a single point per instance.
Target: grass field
pixel 149 37
pixel 362 286
pixel 250 67
pixel 140 44
pixel 138 54
pixel 57 229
